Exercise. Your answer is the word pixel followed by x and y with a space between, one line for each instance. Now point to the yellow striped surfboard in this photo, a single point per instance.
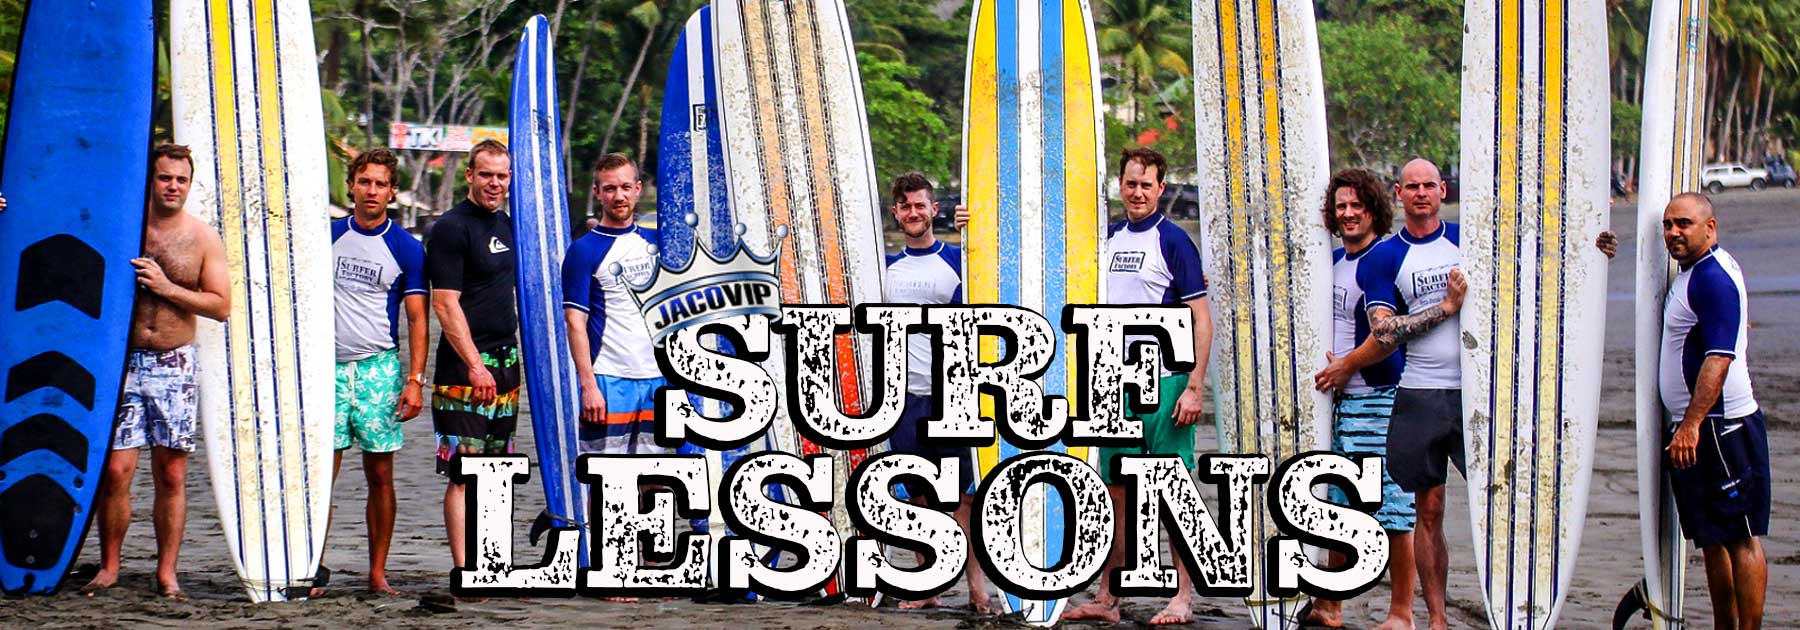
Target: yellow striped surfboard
pixel 246 99
pixel 1673 132
pixel 1263 168
pixel 1535 152
pixel 1032 173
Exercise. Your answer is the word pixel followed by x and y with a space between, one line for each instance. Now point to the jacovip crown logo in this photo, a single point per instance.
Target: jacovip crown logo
pixel 710 286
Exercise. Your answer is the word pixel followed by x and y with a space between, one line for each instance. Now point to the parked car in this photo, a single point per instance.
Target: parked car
pixel 1718 177
pixel 1780 173
pixel 1180 201
pixel 945 219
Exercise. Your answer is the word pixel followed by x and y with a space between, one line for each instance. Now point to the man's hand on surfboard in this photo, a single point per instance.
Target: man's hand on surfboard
pixel 1454 292
pixel 1336 373
pixel 593 404
pixel 961 220
pixel 150 276
pixel 2 203
pixel 1607 242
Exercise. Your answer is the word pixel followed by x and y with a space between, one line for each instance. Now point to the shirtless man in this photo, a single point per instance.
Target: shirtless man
pixel 181 275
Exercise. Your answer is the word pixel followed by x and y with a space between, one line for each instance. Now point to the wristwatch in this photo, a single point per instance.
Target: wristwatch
pixel 417 378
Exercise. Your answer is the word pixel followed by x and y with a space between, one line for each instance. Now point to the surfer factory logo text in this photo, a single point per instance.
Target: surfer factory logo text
pixel 725 343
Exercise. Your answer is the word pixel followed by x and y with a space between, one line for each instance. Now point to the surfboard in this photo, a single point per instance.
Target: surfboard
pixel 693 207
pixel 797 157
pixel 1032 172
pixel 1262 174
pixel 540 217
pixel 1673 134
pixel 1535 147
pixel 77 145
pixel 246 100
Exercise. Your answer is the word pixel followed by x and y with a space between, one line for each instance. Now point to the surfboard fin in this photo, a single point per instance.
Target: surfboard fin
pixel 1634 602
pixel 543 523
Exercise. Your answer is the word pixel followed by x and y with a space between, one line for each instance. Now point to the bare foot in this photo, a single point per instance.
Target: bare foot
pixel 102 581
pixel 1396 623
pixel 1323 614
pixel 1095 611
pixel 168 589
pixel 923 603
pixel 380 586
pixel 1177 613
pixel 980 606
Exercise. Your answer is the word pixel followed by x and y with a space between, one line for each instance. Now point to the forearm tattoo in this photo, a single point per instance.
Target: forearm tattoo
pixel 1394 330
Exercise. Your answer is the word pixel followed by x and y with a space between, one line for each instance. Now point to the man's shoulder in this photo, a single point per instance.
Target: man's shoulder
pixel 195 228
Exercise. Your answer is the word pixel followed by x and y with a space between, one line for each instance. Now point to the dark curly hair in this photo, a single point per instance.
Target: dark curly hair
pixel 908 183
pixel 1148 158
pixel 1370 189
pixel 376 155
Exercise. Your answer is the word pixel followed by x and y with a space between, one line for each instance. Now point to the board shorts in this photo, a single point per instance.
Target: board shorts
pixel 630 424
pixel 909 437
pixel 1161 435
pixel 1424 437
pixel 159 405
pixel 465 427
pixel 368 395
pixel 1724 497
pixel 1360 429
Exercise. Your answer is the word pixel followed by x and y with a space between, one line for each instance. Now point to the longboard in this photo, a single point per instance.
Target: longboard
pixel 1673 134
pixel 246 100
pixel 693 205
pixel 77 141
pixel 1535 147
pixel 1263 169
pixel 540 217
pixel 1032 168
pixel 797 156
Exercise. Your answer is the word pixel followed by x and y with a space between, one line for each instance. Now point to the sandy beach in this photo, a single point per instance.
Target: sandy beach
pixel 1761 228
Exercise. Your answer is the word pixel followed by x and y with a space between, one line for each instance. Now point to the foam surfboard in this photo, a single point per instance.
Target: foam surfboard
pixel 540 217
pixel 1673 133
pixel 1033 167
pixel 693 205
pixel 246 99
pixel 77 141
pixel 797 157
pixel 1535 147
pixel 1263 169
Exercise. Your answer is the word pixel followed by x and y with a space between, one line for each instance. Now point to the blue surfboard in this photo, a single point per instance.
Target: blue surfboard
pixel 540 216
pixel 77 144
pixel 692 207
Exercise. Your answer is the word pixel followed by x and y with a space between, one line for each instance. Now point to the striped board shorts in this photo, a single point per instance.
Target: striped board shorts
pixel 1360 428
pixel 630 424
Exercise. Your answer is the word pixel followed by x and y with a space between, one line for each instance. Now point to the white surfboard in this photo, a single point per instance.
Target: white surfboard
pixel 1535 152
pixel 1673 134
pixel 1263 169
pixel 246 100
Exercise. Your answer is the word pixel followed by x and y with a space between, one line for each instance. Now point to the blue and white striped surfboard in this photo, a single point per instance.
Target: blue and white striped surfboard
pixel 1032 168
pixel 82 96
pixel 693 206
pixel 540 216
pixel 246 100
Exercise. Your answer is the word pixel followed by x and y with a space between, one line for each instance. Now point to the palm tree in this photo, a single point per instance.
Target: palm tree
pixel 1143 38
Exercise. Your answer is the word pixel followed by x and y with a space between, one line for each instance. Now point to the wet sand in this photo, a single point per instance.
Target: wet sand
pixel 1761 229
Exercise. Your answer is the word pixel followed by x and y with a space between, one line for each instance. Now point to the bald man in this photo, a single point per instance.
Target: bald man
pixel 1718 445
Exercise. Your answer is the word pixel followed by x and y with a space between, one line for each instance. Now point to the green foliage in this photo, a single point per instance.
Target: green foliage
pixel 1386 98
pixel 1627 124
pixel 904 131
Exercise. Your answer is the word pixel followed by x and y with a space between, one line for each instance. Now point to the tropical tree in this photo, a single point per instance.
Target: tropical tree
pixel 1145 40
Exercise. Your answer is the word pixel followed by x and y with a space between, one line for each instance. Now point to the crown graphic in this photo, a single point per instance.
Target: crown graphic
pixel 709 286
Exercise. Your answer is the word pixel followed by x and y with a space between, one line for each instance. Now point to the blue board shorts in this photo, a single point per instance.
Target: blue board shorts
pixel 909 437
pixel 159 405
pixel 630 424
pixel 1724 497
pixel 1360 429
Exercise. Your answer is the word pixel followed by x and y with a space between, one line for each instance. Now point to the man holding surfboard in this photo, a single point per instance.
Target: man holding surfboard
pixel 1718 441
pixel 1150 261
pixel 615 362
pixel 470 263
pixel 1357 210
pixel 380 269
pixel 182 274
pixel 926 272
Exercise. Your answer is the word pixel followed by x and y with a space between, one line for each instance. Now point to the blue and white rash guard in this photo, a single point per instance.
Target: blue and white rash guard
pixel 932 275
pixel 1151 262
pixel 1350 324
pixel 1706 314
pixel 618 338
pixel 374 271
pixel 1404 273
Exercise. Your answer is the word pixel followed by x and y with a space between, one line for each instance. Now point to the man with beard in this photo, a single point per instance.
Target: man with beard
pixel 475 389
pixel 927 272
pixel 379 269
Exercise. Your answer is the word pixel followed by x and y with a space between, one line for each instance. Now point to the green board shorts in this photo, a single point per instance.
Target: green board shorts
pixel 1161 435
pixel 368 394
